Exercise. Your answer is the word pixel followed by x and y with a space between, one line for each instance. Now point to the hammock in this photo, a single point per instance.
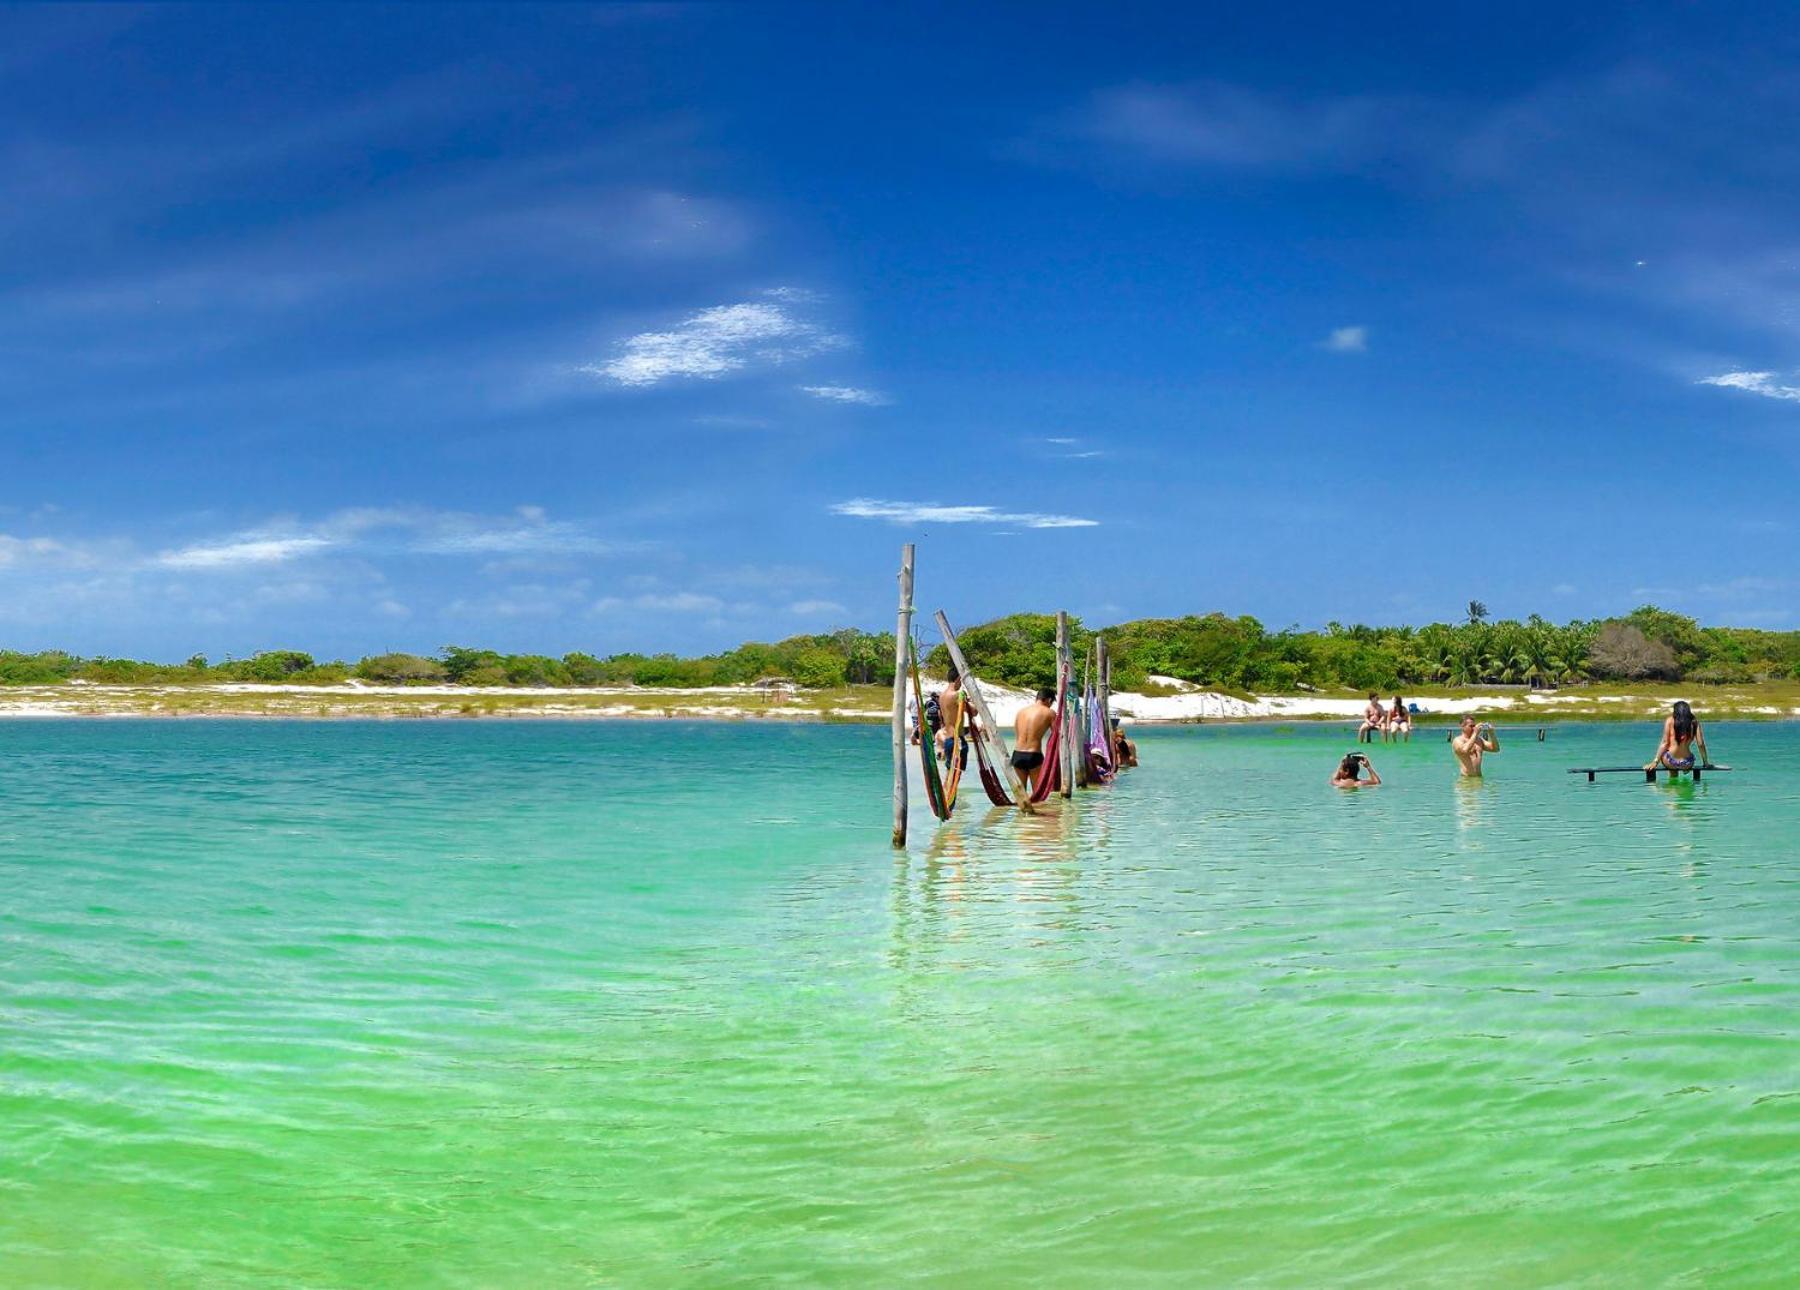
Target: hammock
pixel 1098 752
pixel 991 783
pixel 1050 773
pixel 934 788
pixel 959 758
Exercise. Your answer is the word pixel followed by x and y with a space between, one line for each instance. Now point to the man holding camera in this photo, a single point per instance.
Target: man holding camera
pixel 1471 744
pixel 1349 773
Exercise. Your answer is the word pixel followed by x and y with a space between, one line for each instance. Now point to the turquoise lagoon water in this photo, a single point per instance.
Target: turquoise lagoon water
pixel 533 1004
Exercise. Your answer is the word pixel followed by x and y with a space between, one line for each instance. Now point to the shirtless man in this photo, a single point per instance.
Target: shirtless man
pixel 950 714
pixel 1374 721
pixel 1471 743
pixel 1033 723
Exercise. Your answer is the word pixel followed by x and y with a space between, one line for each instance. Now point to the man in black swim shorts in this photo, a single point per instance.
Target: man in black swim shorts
pixel 1029 728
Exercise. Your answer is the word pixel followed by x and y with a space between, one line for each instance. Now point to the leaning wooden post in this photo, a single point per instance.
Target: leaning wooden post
pixel 1064 679
pixel 1103 666
pixel 902 634
pixel 991 737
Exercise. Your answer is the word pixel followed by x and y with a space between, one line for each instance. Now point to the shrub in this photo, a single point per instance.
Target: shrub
pixel 1622 651
pixel 400 669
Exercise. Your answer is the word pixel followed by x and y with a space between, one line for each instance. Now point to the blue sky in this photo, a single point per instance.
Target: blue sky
pixel 357 328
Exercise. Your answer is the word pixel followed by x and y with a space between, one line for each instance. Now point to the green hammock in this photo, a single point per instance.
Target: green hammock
pixel 934 787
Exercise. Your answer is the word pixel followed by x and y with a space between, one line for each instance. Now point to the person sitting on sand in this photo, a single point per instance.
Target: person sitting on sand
pixel 1399 721
pixel 951 720
pixel 1681 731
pixel 1033 723
pixel 1349 771
pixel 1124 751
pixel 1374 721
pixel 1471 743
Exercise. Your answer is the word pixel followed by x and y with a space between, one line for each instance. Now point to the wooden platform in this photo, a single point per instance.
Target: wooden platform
pixel 1649 775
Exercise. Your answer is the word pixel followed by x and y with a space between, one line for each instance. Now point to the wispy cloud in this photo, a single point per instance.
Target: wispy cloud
pixel 1737 588
pixel 18 550
pixel 816 608
pixel 1067 448
pixel 1347 340
pixel 869 508
pixel 1212 123
pixel 717 342
pixel 240 552
pixel 1763 383
pixel 847 394
pixel 678 602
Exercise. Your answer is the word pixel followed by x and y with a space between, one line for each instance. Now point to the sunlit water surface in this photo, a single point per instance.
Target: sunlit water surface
pixel 534 1004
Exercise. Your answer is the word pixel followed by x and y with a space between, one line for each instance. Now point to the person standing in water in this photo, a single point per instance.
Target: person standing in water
pixel 1681 731
pixel 1124 751
pixel 952 729
pixel 1030 727
pixel 1471 744
pixel 1349 771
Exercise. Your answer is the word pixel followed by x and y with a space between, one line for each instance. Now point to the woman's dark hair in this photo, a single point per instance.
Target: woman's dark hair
pixel 1685 725
pixel 1351 766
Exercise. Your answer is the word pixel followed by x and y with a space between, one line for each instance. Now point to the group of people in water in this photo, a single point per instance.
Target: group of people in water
pixel 952 722
pixel 1681 735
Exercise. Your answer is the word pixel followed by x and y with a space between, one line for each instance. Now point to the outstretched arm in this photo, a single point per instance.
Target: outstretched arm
pixel 1491 741
pixel 1700 738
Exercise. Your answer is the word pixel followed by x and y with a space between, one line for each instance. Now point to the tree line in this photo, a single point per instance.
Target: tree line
pixel 1213 650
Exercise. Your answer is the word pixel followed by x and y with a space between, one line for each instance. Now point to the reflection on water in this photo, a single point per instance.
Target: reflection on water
pixel 480 1005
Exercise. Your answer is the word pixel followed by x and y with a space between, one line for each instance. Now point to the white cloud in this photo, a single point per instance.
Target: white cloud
pixel 816 608
pixel 847 394
pixel 17 550
pixel 1347 340
pixel 1763 383
pixel 236 553
pixel 1563 589
pixel 680 602
pixel 932 513
pixel 526 600
pixel 718 341
pixel 1211 123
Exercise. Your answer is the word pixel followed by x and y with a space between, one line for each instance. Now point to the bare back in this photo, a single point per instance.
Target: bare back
pixel 1032 724
pixel 950 708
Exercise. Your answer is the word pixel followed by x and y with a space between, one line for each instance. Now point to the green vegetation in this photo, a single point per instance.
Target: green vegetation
pixel 1232 654
pixel 1239 654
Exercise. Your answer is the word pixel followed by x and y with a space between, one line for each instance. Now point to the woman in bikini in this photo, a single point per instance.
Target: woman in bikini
pixel 1399 722
pixel 1680 733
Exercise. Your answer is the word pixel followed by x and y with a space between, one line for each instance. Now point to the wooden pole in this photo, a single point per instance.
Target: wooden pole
pixel 902 634
pixel 991 737
pixel 1103 666
pixel 1064 680
pixel 1084 718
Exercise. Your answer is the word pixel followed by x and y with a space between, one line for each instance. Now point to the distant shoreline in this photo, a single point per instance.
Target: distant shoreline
pixel 1172 703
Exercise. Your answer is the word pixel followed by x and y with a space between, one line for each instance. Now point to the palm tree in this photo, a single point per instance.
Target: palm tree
pixel 1478 612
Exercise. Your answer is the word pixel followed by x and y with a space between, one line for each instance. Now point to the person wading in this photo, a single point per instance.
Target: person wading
pixel 1471 744
pixel 950 704
pixel 1029 728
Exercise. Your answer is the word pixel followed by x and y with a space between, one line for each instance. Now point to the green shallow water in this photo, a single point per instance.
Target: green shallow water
pixel 647 1004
